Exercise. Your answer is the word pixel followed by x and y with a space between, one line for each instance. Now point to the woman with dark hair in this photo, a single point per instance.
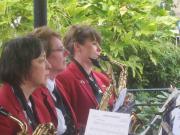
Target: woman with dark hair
pixel 23 68
pixel 83 85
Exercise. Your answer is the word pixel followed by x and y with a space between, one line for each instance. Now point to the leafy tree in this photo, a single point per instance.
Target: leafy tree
pixel 16 17
pixel 135 32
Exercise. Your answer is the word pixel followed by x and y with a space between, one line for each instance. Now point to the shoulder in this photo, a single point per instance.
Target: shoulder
pixel 71 68
pixel 64 74
pixel 9 101
pixel 42 94
pixel 5 94
pixel 4 89
pixel 40 91
pixel 102 77
pixel 69 73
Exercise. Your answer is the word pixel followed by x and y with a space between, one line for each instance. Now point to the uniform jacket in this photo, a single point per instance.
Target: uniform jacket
pixel 80 92
pixel 10 102
pixel 44 95
pixel 67 100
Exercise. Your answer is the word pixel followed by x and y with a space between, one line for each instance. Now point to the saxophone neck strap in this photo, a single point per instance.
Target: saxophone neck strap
pixel 92 82
pixel 21 98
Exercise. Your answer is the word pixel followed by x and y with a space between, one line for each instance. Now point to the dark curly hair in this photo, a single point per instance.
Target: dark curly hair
pixel 16 58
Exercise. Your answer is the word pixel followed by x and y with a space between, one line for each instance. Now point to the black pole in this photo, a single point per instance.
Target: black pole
pixel 40 13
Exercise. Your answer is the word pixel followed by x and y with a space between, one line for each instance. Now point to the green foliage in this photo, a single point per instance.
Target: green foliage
pixel 15 18
pixel 135 32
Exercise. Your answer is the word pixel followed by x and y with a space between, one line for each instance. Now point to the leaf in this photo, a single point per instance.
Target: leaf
pixel 123 10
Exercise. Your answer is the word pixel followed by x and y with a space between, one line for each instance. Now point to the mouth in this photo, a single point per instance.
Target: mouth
pixel 95 57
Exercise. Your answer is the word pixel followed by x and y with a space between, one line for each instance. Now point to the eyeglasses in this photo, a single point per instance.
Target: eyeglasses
pixel 58 50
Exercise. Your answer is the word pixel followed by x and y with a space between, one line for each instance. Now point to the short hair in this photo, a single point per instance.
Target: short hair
pixel 80 33
pixel 45 34
pixel 16 58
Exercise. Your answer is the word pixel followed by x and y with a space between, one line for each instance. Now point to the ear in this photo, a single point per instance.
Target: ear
pixel 77 47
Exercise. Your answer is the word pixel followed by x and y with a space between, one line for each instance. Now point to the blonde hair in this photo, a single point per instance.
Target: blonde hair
pixel 45 34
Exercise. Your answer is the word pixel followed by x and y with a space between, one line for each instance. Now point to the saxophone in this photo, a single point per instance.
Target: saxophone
pixel 115 89
pixel 45 129
pixel 105 99
pixel 112 89
pixel 42 129
pixel 22 125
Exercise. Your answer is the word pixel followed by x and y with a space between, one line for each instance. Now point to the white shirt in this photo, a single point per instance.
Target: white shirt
pixel 61 128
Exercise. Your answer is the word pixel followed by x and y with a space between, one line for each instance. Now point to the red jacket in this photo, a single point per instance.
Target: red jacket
pixel 80 92
pixel 42 94
pixel 9 102
pixel 67 100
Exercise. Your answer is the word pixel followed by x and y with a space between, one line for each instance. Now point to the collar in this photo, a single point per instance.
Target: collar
pixel 50 85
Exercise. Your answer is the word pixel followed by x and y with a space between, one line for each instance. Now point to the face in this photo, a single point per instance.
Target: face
pixel 39 71
pixel 90 49
pixel 57 57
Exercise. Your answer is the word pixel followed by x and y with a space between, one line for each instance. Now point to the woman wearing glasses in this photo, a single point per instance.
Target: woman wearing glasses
pixel 54 91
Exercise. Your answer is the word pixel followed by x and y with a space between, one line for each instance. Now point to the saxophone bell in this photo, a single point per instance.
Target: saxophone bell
pixel 42 129
pixel 23 126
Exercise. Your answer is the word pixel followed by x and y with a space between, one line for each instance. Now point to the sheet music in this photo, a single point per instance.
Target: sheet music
pixel 107 123
pixel 120 100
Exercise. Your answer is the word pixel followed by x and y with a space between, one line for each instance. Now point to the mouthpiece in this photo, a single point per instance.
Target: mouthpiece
pixel 104 58
pixel 95 62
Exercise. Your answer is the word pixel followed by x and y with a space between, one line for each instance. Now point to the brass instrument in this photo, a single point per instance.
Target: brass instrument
pixel 112 89
pixel 115 88
pixel 42 129
pixel 45 129
pixel 105 99
pixel 22 125
pixel 103 105
pixel 135 123
pixel 122 77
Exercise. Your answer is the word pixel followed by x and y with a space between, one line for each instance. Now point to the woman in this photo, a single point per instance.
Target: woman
pixel 23 68
pixel 56 56
pixel 83 85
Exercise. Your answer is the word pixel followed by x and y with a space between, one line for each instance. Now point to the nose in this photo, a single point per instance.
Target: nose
pixel 99 48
